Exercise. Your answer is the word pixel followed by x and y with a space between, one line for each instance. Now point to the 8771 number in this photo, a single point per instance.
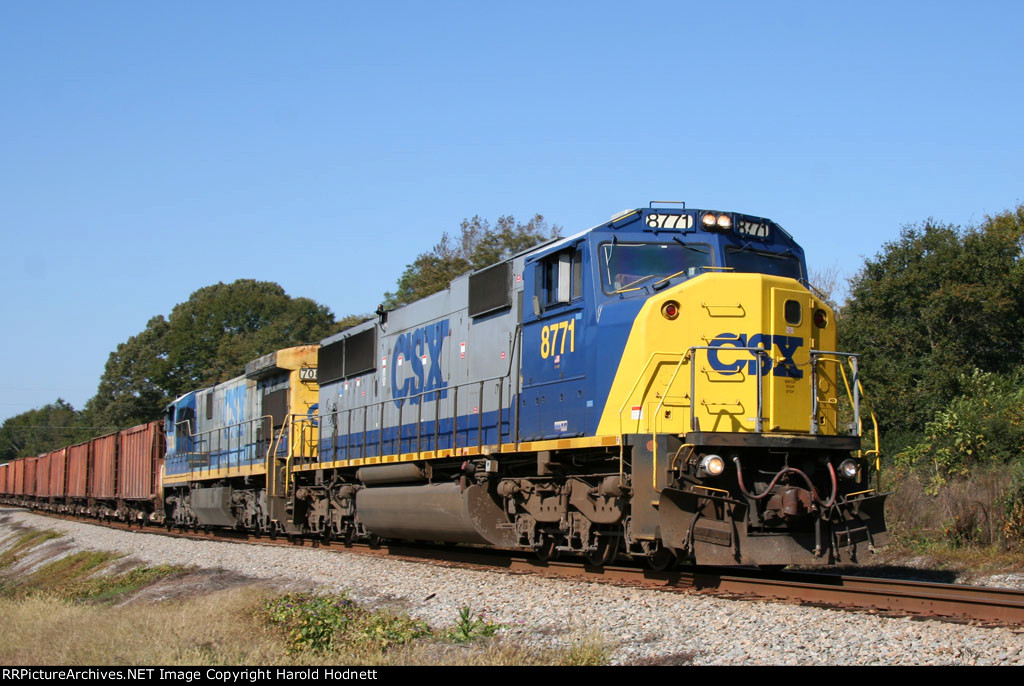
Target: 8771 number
pixel 550 334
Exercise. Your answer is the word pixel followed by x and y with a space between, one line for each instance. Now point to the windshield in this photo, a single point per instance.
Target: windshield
pixel 629 265
pixel 747 259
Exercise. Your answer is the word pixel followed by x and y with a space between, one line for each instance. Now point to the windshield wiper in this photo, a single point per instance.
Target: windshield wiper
pixel 642 278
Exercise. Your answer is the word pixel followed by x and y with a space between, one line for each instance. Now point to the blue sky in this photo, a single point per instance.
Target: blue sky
pixel 149 149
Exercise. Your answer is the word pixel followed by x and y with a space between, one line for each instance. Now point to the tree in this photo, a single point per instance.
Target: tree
pixel 826 282
pixel 205 340
pixel 38 431
pixel 478 245
pixel 220 328
pixel 134 384
pixel 933 306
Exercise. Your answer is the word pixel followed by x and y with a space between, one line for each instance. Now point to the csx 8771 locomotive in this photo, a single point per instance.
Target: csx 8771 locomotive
pixel 662 386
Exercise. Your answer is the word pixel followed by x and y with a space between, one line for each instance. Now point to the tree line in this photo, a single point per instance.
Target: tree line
pixel 937 315
pixel 210 337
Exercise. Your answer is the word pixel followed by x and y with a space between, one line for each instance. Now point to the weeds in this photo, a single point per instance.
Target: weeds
pixel 110 588
pixel 468 627
pixel 382 630
pixel 312 622
pixel 25 542
pixel 60 576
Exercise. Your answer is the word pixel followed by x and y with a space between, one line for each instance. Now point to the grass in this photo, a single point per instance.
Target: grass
pixel 69 612
pixel 25 542
pixel 231 628
pixel 966 525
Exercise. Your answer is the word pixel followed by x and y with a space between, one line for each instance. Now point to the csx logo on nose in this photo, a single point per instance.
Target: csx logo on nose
pixel 787 345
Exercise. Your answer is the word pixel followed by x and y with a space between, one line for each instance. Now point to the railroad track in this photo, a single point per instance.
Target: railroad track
pixel 894 597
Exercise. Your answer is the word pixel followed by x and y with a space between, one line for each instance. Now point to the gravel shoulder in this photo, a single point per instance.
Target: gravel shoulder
pixel 640 626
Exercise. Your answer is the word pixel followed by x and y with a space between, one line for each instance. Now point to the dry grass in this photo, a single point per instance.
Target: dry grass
pixel 962 526
pixel 207 630
pixel 74 611
pixel 223 628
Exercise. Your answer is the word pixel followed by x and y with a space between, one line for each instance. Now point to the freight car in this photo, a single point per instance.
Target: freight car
pixel 116 476
pixel 663 386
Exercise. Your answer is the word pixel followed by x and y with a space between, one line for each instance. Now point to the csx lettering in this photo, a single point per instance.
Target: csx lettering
pixel 787 345
pixel 412 347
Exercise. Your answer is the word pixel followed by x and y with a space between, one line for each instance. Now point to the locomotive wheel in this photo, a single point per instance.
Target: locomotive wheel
pixel 272 533
pixel 548 549
pixel 661 560
pixel 350 535
pixel 606 550
pixel 326 537
pixel 374 542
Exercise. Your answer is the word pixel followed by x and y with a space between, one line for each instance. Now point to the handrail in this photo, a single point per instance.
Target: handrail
pixel 854 391
pixel 421 398
pixel 287 429
pixel 203 437
pixel 639 378
pixel 874 422
pixel 759 353
pixel 269 460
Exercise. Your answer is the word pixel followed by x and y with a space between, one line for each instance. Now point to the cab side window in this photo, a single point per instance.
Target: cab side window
pixel 560 277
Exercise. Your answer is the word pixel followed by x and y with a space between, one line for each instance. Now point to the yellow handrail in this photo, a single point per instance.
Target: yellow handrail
pixel 874 420
pixel 683 357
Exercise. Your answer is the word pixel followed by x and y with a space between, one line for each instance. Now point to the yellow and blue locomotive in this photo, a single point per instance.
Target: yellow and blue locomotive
pixel 661 386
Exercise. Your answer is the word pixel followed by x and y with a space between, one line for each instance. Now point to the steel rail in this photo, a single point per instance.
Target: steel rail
pixel 978 604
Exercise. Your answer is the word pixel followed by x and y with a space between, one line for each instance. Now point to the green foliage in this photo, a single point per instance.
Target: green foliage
pixel 984 426
pixel 313 622
pixel 478 245
pixel 383 630
pixel 324 623
pixel 110 588
pixel 469 627
pixel 134 385
pixel 935 303
pixel 26 541
pixel 1012 505
pixel 206 340
pixel 38 431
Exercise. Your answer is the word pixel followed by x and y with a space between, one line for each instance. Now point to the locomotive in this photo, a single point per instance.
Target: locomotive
pixel 663 386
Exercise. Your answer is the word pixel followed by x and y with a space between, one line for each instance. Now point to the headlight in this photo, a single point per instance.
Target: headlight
pixel 849 469
pixel 724 222
pixel 709 220
pixel 713 465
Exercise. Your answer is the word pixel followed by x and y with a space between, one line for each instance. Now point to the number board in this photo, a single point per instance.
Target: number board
pixel 307 374
pixel 670 221
pixel 755 229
